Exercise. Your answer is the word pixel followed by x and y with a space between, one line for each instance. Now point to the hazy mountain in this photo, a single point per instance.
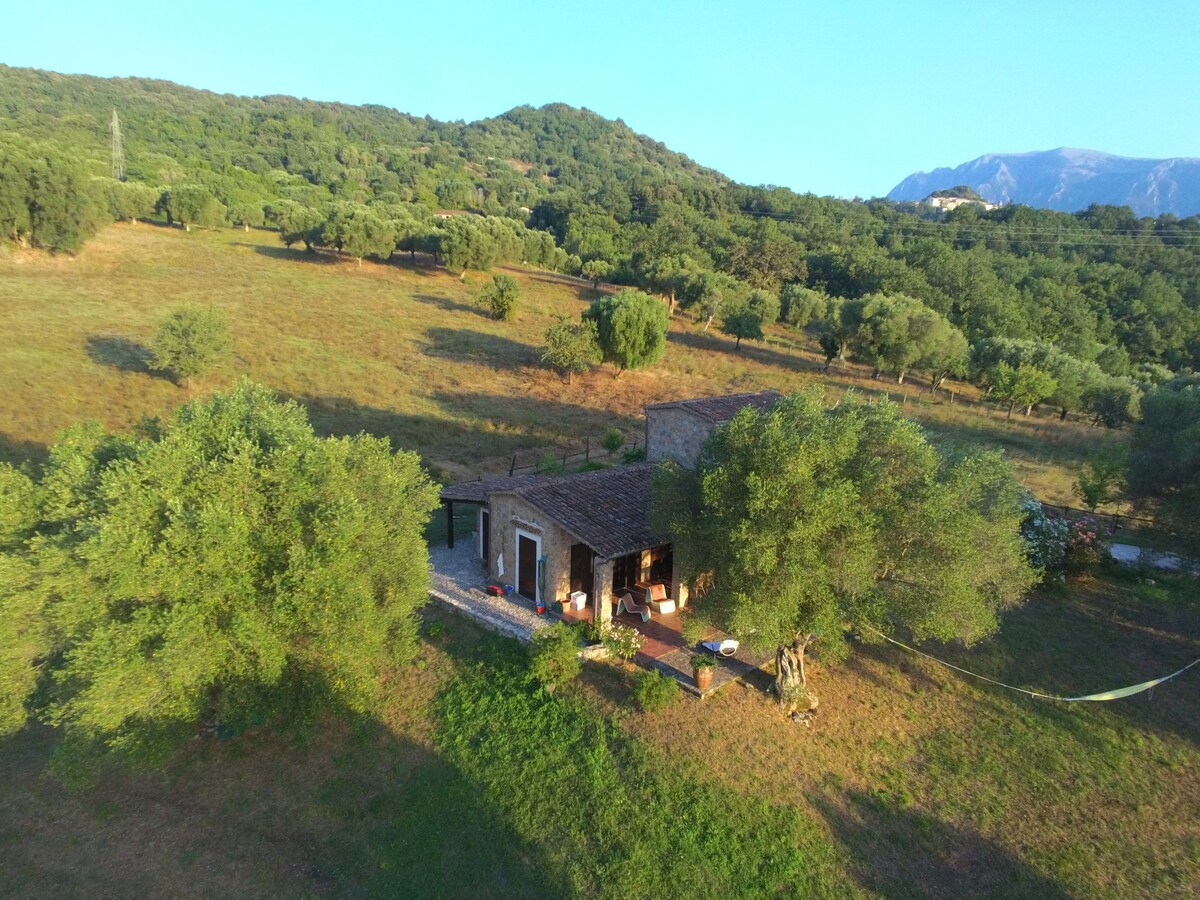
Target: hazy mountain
pixel 1069 180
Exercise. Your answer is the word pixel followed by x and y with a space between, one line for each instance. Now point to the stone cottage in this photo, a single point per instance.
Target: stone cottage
pixel 550 536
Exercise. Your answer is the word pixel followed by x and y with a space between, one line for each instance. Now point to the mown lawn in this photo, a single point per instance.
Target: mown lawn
pixel 400 350
pixel 912 781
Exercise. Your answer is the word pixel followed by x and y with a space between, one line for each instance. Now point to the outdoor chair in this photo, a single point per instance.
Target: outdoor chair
pixel 629 605
pixel 727 647
pixel 657 597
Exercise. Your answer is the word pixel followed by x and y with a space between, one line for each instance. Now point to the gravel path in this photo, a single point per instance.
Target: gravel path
pixel 458 582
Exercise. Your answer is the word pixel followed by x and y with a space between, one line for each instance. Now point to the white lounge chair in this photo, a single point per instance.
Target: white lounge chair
pixel 629 605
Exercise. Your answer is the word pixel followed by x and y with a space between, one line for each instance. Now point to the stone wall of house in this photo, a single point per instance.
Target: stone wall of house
pixel 674 433
pixel 507 514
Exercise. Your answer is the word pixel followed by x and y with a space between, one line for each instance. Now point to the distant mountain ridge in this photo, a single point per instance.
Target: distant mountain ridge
pixel 1069 180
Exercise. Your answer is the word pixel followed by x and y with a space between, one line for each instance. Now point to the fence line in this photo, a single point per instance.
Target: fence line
pixel 1114 520
pixel 570 457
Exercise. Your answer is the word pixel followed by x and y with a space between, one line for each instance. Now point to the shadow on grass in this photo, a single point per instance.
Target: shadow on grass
pixel 1087 639
pixel 119 352
pixel 422 264
pixel 710 342
pixel 294 253
pixel 356 810
pixel 451 305
pixel 415 826
pixel 473 427
pixel 1035 437
pixel 1116 631
pixel 466 345
pixel 902 852
pixel 17 451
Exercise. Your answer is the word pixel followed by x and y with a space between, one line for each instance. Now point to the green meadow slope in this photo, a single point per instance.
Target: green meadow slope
pixel 398 350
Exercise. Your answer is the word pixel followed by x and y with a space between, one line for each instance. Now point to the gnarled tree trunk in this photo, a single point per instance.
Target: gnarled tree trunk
pixel 791 684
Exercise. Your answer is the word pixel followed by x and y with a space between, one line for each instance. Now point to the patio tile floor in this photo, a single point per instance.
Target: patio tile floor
pixel 459 580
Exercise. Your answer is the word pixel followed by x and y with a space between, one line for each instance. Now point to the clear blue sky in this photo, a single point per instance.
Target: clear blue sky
pixel 842 98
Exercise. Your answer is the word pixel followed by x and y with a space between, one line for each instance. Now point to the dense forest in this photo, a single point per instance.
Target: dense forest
pixel 1082 310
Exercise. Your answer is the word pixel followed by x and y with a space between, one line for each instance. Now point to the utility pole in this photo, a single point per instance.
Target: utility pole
pixel 118 150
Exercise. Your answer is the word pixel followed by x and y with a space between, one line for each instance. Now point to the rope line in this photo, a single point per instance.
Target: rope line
pixel 1116 694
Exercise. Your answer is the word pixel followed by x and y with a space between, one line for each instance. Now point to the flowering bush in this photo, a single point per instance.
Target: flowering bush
pixel 621 641
pixel 1085 548
pixel 1045 541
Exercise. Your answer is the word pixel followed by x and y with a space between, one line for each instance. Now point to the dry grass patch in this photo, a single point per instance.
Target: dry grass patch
pixel 932 779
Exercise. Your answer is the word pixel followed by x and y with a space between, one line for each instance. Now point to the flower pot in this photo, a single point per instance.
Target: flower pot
pixel 565 603
pixel 703 676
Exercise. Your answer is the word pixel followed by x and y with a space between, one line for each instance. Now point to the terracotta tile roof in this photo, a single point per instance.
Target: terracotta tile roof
pixel 608 510
pixel 477 491
pixel 718 410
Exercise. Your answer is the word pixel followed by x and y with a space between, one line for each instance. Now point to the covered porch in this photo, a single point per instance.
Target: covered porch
pixel 665 648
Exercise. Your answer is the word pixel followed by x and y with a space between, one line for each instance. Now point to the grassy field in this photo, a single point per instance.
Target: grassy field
pixel 912 781
pixel 399 350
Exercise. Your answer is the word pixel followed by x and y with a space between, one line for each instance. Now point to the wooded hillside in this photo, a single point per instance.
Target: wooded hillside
pixel 1101 286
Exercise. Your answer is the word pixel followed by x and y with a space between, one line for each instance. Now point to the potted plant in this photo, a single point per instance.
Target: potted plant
pixel 702 670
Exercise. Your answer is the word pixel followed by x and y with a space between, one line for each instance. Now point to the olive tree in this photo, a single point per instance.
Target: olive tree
pixel 571 346
pixel 1024 385
pixel 228 568
pixel 799 524
pixel 742 322
pixel 190 342
pixel 1164 457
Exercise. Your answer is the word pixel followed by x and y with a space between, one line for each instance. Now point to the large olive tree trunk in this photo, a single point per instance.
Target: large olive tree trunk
pixel 791 684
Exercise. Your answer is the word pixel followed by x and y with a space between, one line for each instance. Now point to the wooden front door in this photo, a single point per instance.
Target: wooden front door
pixel 485 536
pixel 581 568
pixel 527 567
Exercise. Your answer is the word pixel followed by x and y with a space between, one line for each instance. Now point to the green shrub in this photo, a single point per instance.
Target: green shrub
pixel 613 440
pixel 634 455
pixel 554 660
pixel 550 464
pixel 694 629
pixel 500 296
pixel 655 691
